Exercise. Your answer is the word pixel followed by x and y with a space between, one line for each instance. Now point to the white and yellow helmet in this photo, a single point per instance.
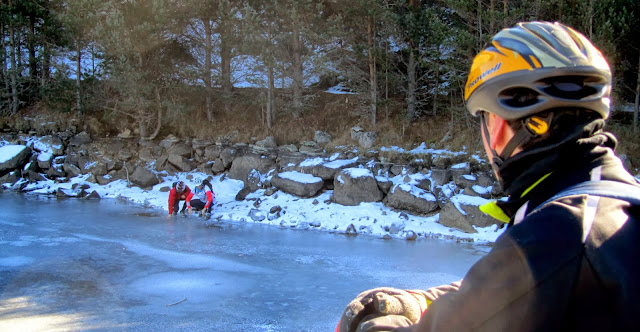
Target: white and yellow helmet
pixel 538 66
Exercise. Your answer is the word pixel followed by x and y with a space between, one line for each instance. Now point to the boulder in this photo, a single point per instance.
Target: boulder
pixel 217 167
pixel 353 186
pixel 13 157
pixel 11 177
pixel 181 149
pixel 384 184
pixel 49 144
pixel 227 156
pixel 169 141
pixel 296 183
pixel 212 152
pixel 356 132
pixel 44 160
pixel 440 176
pixel 460 169
pixel 242 166
pixel 71 170
pixel 412 199
pixel 322 138
pixel 144 178
pixel 181 163
pixel 80 139
pixel 368 139
pixel 268 143
pixel 325 170
pixel 462 212
pixel 257 215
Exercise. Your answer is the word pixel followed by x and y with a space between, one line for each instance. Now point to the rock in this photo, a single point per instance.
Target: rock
pixel 169 141
pixel 356 133
pixel 412 199
pixel 68 192
pixel 440 177
pixel 242 166
pixel 384 184
pixel 368 139
pixel 326 171
pixel 125 134
pixel 322 138
pixel 56 172
pixel 351 230
pixel 353 186
pixel 268 143
pixel 71 170
pixel 217 167
pixel 44 160
pixel 212 152
pixel 460 169
pixel 242 194
pixel 144 178
pixel 181 149
pixel 93 195
pixel 181 163
pixel 296 183
pixel 49 144
pixel 11 177
pixel 275 209
pixel 465 181
pixel 270 191
pixel 461 212
pixel 288 148
pixel 257 215
pixel 80 139
pixel 14 156
pixel 411 236
pixel 227 156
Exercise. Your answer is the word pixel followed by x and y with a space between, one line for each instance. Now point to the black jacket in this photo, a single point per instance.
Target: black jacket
pixel 541 275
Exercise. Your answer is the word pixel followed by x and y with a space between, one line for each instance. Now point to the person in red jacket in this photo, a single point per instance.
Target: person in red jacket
pixel 201 199
pixel 178 193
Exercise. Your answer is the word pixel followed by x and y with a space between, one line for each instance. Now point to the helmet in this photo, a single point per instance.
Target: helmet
pixel 180 186
pixel 537 66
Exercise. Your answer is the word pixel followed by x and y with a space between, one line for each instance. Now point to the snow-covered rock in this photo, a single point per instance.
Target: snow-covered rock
pixel 296 183
pixel 413 199
pixel 353 186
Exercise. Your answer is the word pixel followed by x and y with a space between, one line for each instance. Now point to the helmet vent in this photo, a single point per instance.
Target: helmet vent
pixel 572 88
pixel 519 97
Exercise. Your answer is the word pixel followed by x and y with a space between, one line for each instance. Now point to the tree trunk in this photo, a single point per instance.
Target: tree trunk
pixel 492 17
pixel 13 72
pixel 3 61
pixel 78 76
pixel 480 42
pixel 505 12
pixel 591 19
pixel 33 63
pixel 225 63
pixel 372 71
pixel 437 86
pixel 270 91
pixel 46 60
pixel 297 72
pixel 637 105
pixel 207 68
pixel 411 86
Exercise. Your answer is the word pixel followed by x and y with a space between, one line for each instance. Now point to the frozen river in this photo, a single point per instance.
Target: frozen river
pixel 110 265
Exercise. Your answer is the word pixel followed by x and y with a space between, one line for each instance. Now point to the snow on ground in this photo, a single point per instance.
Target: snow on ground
pixel 317 213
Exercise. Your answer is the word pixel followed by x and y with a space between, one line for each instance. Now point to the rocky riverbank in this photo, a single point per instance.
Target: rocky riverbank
pixel 441 185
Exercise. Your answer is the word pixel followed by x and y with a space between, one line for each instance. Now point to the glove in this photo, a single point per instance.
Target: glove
pixel 366 311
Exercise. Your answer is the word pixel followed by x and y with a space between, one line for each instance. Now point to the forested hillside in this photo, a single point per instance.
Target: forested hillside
pixel 193 68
